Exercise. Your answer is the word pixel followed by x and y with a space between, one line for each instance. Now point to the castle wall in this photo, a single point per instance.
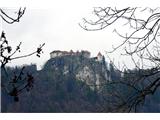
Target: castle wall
pixel 87 55
pixel 63 53
pixel 55 54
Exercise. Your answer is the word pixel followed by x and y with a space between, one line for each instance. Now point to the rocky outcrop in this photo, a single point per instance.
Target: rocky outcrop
pixel 92 72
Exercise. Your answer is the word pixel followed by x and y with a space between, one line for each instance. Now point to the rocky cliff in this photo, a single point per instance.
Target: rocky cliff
pixel 92 72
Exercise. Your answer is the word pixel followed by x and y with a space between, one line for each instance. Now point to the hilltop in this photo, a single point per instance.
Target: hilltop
pixel 92 71
pixel 73 82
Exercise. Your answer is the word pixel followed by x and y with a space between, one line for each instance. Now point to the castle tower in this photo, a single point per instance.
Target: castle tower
pixel 99 57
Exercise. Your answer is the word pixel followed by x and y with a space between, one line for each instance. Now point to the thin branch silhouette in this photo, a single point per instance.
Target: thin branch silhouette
pixel 15 85
pixel 141 43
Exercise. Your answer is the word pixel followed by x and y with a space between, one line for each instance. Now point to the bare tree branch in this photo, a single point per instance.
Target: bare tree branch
pixel 141 43
pixel 14 85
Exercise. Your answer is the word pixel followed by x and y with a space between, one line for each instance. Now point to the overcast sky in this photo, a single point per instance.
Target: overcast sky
pixel 56 25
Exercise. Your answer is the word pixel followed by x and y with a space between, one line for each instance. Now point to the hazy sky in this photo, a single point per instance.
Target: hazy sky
pixel 56 25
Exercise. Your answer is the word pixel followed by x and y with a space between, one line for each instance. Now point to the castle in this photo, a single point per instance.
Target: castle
pixel 84 53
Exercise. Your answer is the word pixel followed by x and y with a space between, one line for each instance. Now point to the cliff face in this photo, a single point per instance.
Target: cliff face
pixel 92 72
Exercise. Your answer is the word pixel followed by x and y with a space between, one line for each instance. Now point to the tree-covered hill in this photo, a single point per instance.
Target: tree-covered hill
pixel 75 84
